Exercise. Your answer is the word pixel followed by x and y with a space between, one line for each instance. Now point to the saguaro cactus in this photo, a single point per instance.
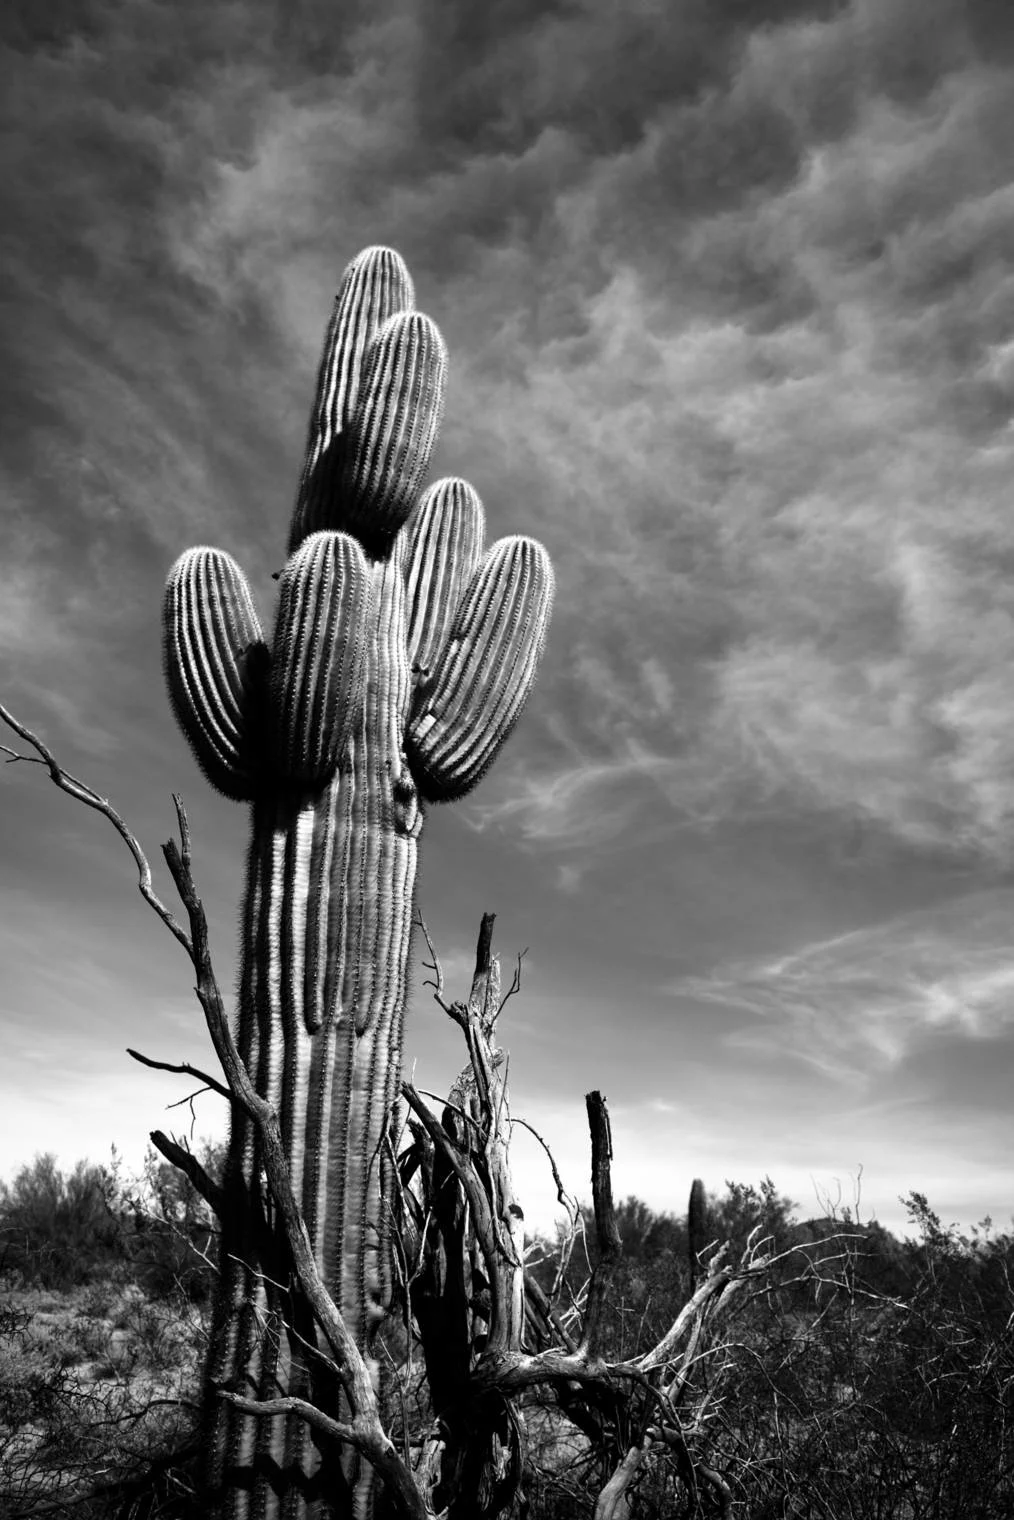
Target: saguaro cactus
pixel 401 657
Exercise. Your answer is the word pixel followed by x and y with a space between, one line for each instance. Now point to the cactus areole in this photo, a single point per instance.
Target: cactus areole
pixel 403 651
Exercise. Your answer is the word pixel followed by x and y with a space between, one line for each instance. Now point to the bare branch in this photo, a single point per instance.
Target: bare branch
pixel 692 1310
pixel 718 1486
pixel 455 1154
pixel 544 1308
pixel 610 1244
pixel 433 964
pixel 612 1502
pixel 484 947
pixel 85 794
pixel 448 1106
pixel 183 1069
pixel 515 985
pixel 478 1153
pixel 564 1198
pixel 338 1430
pixel 365 1435
pixel 189 1165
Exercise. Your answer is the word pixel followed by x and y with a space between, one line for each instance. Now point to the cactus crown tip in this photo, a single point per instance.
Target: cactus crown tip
pixel 380 253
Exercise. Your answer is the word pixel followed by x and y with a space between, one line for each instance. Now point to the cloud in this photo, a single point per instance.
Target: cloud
pixel 853 649
pixel 730 337
pixel 785 550
pixel 859 1004
pixel 582 806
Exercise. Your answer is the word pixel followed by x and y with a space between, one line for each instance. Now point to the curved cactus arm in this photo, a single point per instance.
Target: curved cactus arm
pixel 390 436
pixel 318 666
pixel 215 666
pixel 375 286
pixel 485 673
pixel 444 541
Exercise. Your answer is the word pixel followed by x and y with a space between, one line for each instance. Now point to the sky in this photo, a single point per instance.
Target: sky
pixel 728 292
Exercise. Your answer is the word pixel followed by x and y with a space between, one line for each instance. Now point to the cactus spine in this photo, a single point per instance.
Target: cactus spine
pixel 400 659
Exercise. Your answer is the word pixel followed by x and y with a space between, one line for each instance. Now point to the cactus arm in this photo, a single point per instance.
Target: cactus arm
pixel 215 661
pixel 485 673
pixel 444 543
pixel 318 669
pixel 391 435
pixel 375 286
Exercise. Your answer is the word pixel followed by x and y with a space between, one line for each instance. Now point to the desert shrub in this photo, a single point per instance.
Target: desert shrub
pixel 877 1406
pixel 94 1423
pixel 654 1276
pixel 877 1387
pixel 101 1339
pixel 876 1384
pixel 59 1230
pixel 174 1231
pixel 744 1208
pixel 91 1226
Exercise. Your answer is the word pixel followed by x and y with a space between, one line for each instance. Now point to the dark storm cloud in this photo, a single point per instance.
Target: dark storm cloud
pixel 115 361
pixel 701 268
pixel 715 278
pixel 493 78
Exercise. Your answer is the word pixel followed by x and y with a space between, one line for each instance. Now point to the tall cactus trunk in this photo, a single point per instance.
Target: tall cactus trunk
pixel 326 933
pixel 401 658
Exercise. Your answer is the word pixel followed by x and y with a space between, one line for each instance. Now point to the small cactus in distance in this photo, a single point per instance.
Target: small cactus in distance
pixel 401 657
pixel 697 1225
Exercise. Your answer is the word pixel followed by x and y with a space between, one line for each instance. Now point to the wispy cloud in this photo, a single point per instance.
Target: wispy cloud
pixel 581 805
pixel 859 1003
